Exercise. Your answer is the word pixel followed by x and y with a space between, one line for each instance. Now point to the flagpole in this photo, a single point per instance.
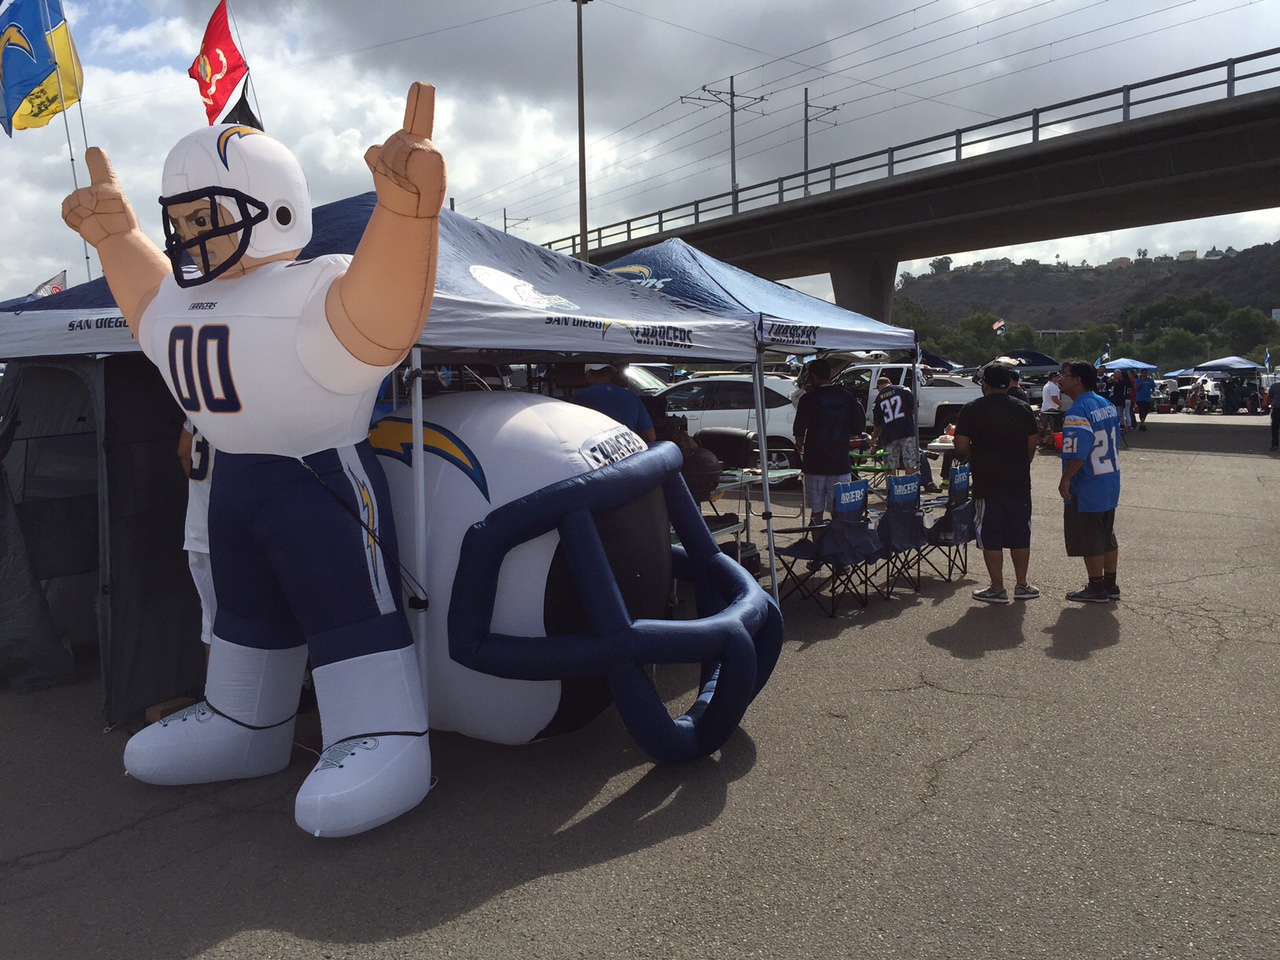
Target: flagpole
pixel 46 23
pixel 248 74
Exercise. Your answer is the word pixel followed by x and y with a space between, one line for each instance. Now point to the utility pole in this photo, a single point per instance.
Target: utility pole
pixel 718 96
pixel 822 111
pixel 582 147
pixel 510 222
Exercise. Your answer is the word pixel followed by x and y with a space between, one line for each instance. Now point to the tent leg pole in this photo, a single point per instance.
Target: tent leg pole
pixel 418 465
pixel 757 377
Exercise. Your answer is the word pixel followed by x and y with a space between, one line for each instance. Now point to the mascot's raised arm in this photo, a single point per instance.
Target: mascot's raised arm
pixel 277 362
pixel 376 309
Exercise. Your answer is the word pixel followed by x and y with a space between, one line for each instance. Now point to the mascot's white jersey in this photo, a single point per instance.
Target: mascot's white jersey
pixel 254 364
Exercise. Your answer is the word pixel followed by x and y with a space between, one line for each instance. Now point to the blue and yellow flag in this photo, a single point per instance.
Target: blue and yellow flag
pixel 39 68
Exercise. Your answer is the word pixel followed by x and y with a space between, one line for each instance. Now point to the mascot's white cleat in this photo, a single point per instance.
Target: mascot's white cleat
pixel 243 728
pixel 376 763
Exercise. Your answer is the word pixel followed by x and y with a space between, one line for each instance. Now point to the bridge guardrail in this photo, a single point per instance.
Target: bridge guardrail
pixel 1221 80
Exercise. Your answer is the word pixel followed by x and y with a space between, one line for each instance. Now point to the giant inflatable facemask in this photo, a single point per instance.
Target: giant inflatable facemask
pixel 549 558
pixel 231 191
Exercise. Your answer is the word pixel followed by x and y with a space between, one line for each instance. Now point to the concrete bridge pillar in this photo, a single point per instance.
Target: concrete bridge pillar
pixel 863 280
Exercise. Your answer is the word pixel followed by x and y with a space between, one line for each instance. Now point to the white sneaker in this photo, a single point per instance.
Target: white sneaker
pixel 204 744
pixel 196 745
pixel 376 763
pixel 363 783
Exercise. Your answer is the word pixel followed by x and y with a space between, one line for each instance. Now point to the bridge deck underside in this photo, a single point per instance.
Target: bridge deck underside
pixel 1196 162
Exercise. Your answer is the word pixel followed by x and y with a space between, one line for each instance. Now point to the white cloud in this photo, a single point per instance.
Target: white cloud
pixel 330 78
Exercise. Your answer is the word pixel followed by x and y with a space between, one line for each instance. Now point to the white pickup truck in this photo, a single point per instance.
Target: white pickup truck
pixel 939 397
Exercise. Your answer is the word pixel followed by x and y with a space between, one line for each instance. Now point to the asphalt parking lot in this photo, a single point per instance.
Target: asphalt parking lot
pixel 928 777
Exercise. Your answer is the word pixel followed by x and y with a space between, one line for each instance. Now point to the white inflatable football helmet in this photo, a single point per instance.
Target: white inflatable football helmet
pixel 237 168
pixel 549 562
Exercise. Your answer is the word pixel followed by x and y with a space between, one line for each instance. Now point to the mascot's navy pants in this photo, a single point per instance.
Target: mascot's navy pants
pixel 294 555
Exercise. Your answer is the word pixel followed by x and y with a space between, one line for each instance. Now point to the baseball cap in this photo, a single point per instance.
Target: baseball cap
pixel 996 376
pixel 597 366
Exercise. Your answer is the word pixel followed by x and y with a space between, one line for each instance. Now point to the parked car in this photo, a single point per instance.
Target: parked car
pixel 771 369
pixel 939 398
pixel 640 379
pixel 721 415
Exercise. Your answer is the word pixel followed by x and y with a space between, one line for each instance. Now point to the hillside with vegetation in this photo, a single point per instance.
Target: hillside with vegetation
pixel 1164 311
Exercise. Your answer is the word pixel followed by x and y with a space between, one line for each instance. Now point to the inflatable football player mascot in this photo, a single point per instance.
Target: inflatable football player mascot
pixel 277 362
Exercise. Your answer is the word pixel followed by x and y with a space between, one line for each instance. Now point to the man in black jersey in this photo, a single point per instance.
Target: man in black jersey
pixel 999 434
pixel 826 417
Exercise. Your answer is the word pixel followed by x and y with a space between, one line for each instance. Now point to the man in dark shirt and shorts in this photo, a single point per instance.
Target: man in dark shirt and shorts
pixel 826 417
pixel 999 435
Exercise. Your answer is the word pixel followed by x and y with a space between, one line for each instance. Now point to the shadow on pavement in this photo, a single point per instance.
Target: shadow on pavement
pixel 982 629
pixel 219 860
pixel 1081 631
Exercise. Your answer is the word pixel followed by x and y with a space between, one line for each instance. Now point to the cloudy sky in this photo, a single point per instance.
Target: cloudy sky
pixel 329 77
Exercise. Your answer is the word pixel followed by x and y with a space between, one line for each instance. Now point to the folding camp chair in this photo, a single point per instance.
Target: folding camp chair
pixel 902 535
pixel 947 550
pixel 833 560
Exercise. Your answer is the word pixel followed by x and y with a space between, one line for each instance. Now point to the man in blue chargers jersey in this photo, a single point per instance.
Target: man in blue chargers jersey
pixel 1090 485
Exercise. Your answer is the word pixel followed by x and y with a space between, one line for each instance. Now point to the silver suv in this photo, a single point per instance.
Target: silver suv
pixel 721 412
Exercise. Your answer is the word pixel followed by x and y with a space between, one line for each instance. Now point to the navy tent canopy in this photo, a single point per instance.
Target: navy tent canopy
pixel 790 321
pixel 1124 363
pixel 1229 365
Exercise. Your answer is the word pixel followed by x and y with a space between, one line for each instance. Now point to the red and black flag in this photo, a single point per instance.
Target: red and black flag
pixel 219 67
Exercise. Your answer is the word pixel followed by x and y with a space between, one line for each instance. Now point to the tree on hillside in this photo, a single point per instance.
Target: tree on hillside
pixel 1178 348
pixel 940 265
pixel 1247 328
pixel 907 313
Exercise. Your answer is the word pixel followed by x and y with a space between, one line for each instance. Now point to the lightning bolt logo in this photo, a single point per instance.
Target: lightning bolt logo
pixel 227 135
pixel 14 37
pixel 393 437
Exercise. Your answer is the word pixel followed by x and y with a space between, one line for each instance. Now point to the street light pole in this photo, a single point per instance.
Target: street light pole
pixel 582 148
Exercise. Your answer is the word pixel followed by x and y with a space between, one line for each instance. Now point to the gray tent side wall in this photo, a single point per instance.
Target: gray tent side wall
pixel 152 649
pixel 101 502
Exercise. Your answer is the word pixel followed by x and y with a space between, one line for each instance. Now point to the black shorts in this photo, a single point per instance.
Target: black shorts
pixel 1088 534
pixel 1003 523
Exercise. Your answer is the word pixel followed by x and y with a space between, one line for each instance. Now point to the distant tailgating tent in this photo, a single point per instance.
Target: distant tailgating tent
pixel 1124 363
pixel 1029 358
pixel 789 320
pixel 1229 365
pixel 931 359
pixel 88 434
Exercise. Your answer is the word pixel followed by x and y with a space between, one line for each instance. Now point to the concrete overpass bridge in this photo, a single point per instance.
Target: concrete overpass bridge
pixel 1198 143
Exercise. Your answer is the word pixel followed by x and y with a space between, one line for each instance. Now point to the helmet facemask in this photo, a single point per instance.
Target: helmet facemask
pixel 180 251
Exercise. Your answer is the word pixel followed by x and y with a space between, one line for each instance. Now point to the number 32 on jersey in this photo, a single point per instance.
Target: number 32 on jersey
pixel 200 368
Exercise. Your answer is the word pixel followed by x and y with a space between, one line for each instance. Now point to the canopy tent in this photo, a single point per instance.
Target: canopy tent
pixel 1025 358
pixel 790 321
pixel 88 433
pixel 937 361
pixel 499 299
pixel 1229 365
pixel 1124 363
